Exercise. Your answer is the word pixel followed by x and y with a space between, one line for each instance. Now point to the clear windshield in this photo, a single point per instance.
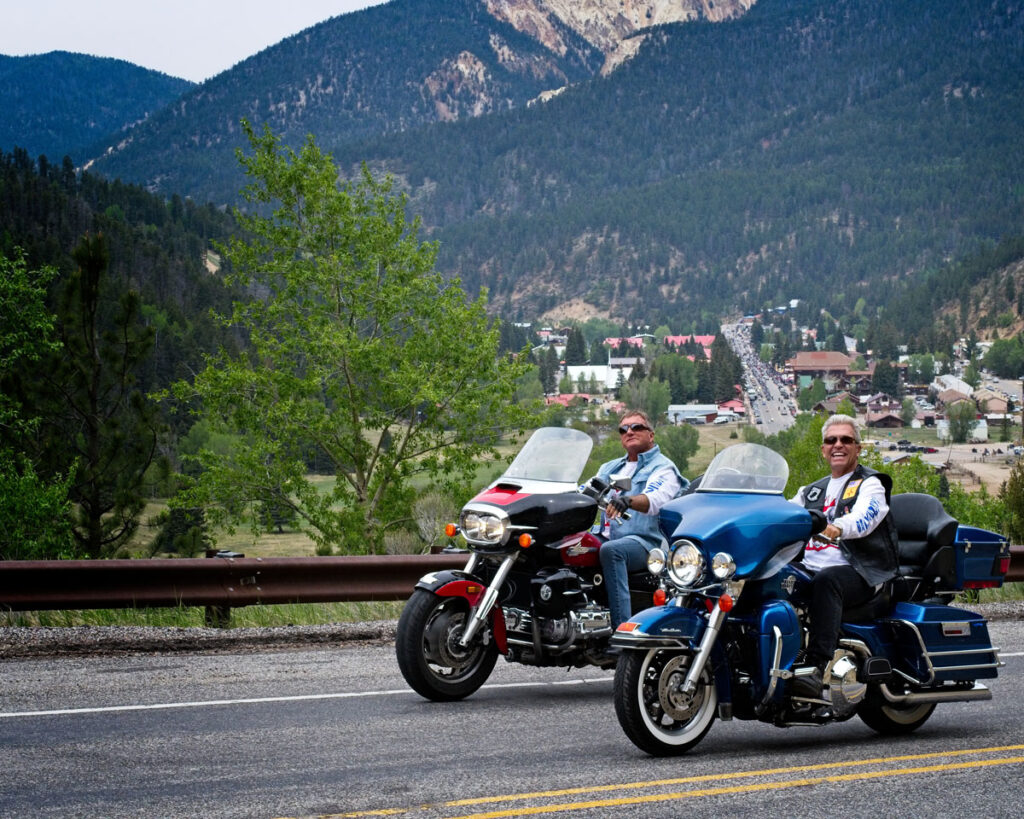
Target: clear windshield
pixel 556 454
pixel 746 468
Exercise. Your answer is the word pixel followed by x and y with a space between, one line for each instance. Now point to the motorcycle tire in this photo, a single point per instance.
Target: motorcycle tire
pixel 650 708
pixel 429 655
pixel 892 720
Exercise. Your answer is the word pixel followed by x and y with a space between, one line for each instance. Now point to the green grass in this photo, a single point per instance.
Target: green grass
pixel 311 614
pixel 307 614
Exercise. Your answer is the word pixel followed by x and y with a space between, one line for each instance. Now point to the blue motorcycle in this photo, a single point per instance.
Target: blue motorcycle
pixel 725 637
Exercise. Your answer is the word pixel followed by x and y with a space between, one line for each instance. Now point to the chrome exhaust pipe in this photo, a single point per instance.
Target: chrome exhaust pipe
pixel 978 692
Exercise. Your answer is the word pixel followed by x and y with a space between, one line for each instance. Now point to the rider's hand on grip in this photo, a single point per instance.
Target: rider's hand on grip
pixel 621 506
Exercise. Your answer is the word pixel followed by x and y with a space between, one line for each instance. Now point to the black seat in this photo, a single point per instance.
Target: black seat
pixel 926 535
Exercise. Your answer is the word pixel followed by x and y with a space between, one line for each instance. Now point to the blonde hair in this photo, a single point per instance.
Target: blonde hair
pixel 635 413
pixel 837 420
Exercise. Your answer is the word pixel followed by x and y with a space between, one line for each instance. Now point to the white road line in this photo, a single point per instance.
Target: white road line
pixel 297 698
pixel 304 697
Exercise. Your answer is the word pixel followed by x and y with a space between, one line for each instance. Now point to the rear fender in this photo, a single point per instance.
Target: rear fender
pixel 457 583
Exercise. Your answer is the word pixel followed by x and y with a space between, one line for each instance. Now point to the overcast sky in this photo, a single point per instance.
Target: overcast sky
pixel 193 39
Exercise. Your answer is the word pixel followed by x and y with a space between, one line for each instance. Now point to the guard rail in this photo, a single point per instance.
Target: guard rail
pixel 229 581
pixel 218 585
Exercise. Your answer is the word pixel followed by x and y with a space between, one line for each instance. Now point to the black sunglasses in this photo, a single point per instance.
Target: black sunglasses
pixel 635 427
pixel 843 439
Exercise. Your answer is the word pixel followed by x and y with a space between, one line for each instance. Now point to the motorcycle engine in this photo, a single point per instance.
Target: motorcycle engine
pixel 555 593
pixel 844 689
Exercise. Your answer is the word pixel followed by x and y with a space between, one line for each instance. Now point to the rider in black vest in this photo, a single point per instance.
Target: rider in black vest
pixel 875 555
pixel 855 501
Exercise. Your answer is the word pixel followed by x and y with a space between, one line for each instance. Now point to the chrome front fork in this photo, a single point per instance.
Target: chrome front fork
pixel 703 654
pixel 490 597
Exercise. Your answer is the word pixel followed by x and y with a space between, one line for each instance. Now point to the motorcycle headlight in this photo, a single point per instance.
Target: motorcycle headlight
pixel 485 528
pixel 723 566
pixel 687 566
pixel 656 561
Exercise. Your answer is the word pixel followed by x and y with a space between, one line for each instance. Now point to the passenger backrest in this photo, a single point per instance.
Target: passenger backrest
pixel 923 526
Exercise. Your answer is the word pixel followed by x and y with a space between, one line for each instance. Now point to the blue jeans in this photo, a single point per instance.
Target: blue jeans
pixel 618 558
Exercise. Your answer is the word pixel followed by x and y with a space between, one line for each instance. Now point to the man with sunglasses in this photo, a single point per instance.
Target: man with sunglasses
pixel 861 553
pixel 655 481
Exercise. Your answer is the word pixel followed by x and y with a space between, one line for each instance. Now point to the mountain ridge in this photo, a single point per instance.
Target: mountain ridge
pixel 62 104
pixel 828 150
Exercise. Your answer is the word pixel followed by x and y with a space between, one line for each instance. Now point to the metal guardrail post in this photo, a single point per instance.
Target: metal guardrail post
pixel 219 616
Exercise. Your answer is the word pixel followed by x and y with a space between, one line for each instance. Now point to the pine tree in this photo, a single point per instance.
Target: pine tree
pixel 575 348
pixel 92 412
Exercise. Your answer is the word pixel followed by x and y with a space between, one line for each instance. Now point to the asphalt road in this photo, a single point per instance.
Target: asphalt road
pixel 773 403
pixel 334 731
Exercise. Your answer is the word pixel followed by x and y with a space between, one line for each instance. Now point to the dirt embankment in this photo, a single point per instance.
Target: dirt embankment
pixel 972 464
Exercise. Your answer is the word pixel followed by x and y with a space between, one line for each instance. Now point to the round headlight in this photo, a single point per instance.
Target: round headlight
pixel 687 566
pixel 483 528
pixel 656 561
pixel 723 566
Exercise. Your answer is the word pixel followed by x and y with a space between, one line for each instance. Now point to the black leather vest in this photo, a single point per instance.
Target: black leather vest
pixel 875 557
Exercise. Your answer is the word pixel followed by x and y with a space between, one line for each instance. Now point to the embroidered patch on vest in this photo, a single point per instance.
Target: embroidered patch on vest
pixel 814 493
pixel 851 489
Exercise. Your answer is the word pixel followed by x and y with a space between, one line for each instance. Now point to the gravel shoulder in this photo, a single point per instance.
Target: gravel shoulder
pixel 111 640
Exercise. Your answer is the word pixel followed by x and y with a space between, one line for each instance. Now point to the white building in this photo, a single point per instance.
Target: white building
pixel 605 377
pixel 951 382
pixel 686 413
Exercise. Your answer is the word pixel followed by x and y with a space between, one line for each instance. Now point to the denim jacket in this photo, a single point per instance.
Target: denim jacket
pixel 641 526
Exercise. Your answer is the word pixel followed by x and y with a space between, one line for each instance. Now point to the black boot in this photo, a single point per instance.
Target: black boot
pixel 807 685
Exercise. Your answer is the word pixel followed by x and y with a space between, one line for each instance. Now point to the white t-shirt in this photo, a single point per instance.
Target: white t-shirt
pixel 863 518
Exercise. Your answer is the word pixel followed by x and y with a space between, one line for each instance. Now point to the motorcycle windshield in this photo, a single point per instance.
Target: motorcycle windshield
pixel 552 455
pixel 746 468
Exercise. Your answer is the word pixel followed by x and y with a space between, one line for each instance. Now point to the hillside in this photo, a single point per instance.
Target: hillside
pixel 162 249
pixel 61 104
pixel 836 151
pixel 829 151
pixel 388 69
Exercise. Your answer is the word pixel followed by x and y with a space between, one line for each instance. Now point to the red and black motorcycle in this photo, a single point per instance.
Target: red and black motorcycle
pixel 532 588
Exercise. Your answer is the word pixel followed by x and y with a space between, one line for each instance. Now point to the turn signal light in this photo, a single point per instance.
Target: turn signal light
pixel 525 540
pixel 725 603
pixel 660 597
pixel 451 530
pixel 628 626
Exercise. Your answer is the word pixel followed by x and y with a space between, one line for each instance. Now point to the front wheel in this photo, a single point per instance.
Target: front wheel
pixel 653 711
pixel 892 720
pixel 428 650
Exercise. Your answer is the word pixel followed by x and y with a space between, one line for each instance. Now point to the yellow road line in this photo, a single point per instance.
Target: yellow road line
pixel 736 789
pixel 660 783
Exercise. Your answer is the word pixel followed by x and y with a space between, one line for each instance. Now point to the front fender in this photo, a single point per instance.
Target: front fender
pixel 453 583
pixel 674 627
pixel 457 583
pixel 661 627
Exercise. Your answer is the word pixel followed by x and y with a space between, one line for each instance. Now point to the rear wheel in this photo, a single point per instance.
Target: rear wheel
pixel 428 650
pixel 652 709
pixel 890 719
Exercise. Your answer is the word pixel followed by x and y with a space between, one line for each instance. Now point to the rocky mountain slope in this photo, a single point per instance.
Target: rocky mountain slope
pixel 386 69
pixel 835 151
